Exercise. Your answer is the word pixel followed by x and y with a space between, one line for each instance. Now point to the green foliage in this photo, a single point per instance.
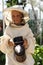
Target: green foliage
pixel 2 59
pixel 38 55
pixel 38 40
pixel 11 3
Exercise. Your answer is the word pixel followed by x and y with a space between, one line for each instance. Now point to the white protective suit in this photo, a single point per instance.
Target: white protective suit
pixel 10 33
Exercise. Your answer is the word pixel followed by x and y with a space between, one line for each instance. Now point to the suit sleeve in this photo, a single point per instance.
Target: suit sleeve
pixel 4 44
pixel 31 41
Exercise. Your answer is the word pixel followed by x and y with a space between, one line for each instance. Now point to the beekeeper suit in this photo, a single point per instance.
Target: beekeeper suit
pixel 12 31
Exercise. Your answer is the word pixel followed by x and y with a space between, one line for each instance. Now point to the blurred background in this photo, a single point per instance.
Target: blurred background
pixel 35 11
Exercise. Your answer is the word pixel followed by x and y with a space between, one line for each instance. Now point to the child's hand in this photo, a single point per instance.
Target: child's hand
pixel 25 44
pixel 10 43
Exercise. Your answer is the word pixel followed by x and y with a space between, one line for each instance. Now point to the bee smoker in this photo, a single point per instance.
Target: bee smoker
pixel 20 53
pixel 19 49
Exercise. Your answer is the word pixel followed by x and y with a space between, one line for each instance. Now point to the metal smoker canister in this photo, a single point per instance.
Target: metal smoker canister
pixel 20 53
pixel 18 40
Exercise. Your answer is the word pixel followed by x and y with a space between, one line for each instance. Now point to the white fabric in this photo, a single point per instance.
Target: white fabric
pixel 12 32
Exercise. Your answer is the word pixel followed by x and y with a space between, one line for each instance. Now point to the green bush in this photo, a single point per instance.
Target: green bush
pixel 2 58
pixel 38 55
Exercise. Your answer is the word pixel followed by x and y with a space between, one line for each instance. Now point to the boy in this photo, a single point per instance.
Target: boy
pixel 17 27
